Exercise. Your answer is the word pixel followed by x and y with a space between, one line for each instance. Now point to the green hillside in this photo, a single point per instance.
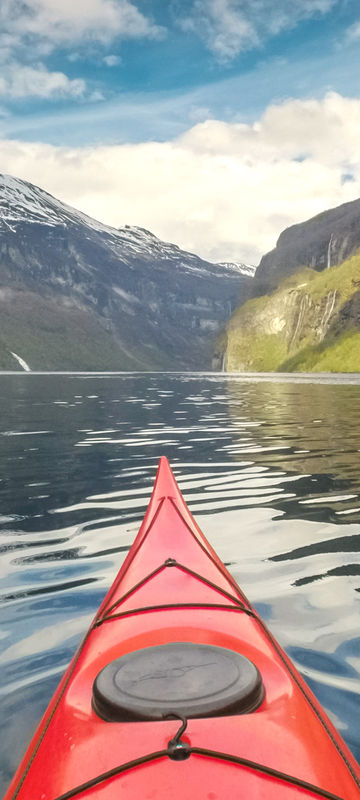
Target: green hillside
pixel 311 322
pixel 54 335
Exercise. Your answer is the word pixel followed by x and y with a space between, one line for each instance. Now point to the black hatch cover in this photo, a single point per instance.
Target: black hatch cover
pixel 195 680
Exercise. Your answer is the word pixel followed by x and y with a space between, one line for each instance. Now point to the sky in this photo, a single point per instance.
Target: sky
pixel 213 123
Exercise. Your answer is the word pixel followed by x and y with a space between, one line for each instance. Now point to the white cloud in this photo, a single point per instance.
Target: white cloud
pixel 222 190
pixel 63 22
pixel 225 29
pixel 74 57
pixel 229 27
pixel 354 31
pixel 38 27
pixel 96 96
pixel 18 81
pixel 112 60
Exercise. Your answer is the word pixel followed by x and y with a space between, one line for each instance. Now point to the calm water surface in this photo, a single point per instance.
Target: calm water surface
pixel 271 470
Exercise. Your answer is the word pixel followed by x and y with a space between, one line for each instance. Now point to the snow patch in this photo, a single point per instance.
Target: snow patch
pixel 237 266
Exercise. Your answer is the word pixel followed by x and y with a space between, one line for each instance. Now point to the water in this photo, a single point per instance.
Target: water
pixel 271 470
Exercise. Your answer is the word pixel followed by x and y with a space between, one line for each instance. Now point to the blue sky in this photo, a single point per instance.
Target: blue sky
pixel 79 76
pixel 166 65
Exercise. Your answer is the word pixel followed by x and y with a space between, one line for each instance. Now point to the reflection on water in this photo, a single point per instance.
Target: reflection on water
pixel 271 470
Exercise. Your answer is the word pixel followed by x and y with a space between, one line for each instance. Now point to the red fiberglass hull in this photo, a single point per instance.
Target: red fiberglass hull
pixel 287 748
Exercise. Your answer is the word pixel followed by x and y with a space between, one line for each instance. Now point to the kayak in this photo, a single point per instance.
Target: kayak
pixel 179 690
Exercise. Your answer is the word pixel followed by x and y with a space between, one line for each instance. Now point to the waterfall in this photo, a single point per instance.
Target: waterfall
pixel 21 361
pixel 328 263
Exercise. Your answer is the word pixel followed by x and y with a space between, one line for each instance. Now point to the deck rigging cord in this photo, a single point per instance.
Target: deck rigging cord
pixel 237 604
pixel 178 750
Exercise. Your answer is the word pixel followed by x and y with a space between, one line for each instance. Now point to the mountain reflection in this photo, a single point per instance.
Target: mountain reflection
pixel 309 430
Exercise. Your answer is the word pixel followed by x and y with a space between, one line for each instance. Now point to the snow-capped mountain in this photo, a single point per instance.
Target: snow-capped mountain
pixel 237 266
pixel 75 293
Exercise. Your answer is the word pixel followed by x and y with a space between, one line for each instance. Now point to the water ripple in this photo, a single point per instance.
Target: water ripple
pixel 269 465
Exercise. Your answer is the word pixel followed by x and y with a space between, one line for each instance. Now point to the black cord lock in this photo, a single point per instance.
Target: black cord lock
pixel 177 749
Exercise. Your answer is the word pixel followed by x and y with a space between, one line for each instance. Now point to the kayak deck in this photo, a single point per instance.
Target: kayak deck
pixel 173 588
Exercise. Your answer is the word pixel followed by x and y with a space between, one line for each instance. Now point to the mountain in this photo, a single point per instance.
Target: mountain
pixel 319 243
pixel 78 294
pixel 309 317
pixel 244 269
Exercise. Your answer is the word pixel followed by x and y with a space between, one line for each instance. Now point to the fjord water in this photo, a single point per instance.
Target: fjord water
pixel 270 467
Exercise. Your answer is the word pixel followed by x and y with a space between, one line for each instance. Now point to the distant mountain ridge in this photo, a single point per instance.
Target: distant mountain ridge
pixel 78 294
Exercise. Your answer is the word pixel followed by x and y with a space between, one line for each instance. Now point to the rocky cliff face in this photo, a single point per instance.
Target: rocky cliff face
pixel 319 243
pixel 76 294
pixel 310 323
pixel 305 310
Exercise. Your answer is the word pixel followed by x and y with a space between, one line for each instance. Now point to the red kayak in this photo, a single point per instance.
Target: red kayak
pixel 180 691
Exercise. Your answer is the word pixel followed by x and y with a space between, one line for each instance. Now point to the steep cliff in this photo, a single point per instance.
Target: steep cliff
pixel 310 323
pixel 319 243
pixel 77 294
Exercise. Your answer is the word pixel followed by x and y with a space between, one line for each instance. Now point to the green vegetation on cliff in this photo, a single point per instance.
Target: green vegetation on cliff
pixel 311 322
pixel 339 355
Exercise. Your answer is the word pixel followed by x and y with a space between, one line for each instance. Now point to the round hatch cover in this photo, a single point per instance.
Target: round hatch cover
pixel 196 680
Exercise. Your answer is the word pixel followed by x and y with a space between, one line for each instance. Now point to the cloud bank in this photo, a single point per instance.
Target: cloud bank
pixel 222 190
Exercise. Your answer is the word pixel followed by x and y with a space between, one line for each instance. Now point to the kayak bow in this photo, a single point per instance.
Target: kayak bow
pixel 179 690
